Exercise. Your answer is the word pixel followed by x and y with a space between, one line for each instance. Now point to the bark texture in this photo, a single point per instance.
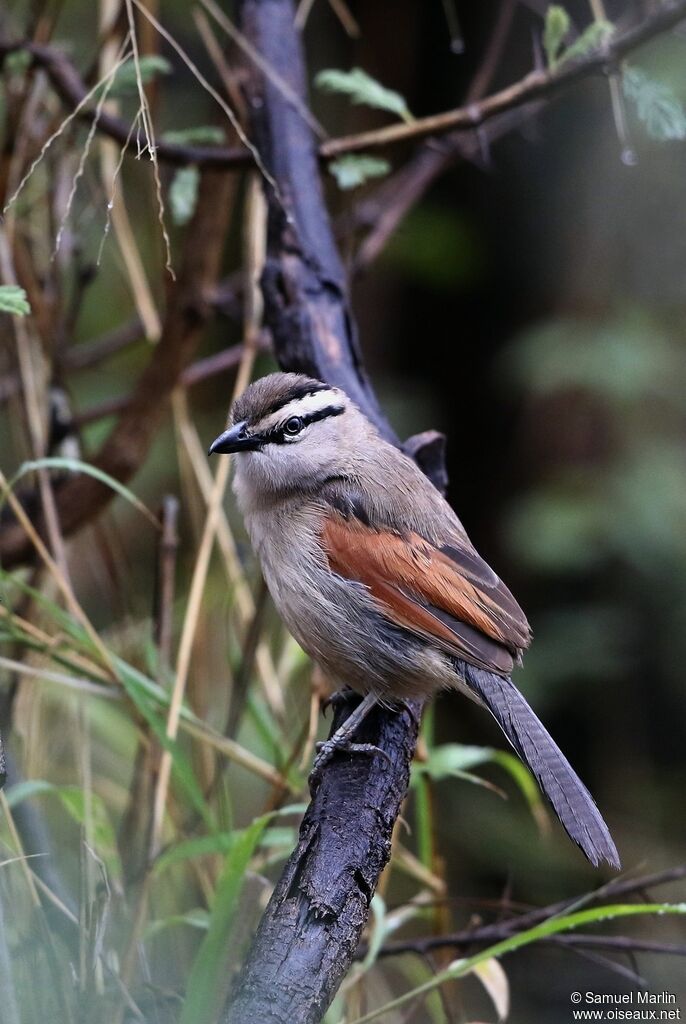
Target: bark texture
pixel 311 928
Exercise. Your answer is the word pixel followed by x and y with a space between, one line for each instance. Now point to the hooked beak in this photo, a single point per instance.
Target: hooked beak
pixel 236 439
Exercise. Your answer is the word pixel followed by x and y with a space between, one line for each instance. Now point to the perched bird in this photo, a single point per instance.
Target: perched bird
pixel 375 577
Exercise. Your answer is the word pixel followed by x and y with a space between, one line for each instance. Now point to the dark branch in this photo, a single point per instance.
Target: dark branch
pixel 535 86
pixel 80 498
pixel 202 369
pixel 310 930
pixel 488 934
pixel 538 85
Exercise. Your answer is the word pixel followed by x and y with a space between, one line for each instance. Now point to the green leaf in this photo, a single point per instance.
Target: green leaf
pixel 527 785
pixel 138 689
pixel 656 106
pixel 555 29
pixel 455 759
pixel 77 466
pixel 378 932
pixel 594 36
pixel 221 842
pixel 363 89
pixel 207 981
pixel 353 170
pixel 18 62
pixel 199 135
pixel 554 926
pixel 196 918
pixel 13 300
pixel 125 81
pixel 73 799
pixel 26 789
pixel 183 194
pixel 450 759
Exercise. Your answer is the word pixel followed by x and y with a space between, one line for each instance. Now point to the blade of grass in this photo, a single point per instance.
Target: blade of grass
pixel 255 232
pixel 208 977
pixel 55 571
pixel 243 603
pixel 554 926
pixel 78 466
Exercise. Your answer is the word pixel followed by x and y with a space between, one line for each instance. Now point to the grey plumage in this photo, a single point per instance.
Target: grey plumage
pixel 567 794
pixel 374 574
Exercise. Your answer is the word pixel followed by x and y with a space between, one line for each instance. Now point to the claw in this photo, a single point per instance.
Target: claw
pixel 327 749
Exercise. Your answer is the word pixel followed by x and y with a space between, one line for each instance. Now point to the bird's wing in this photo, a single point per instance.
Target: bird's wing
pixel 445 593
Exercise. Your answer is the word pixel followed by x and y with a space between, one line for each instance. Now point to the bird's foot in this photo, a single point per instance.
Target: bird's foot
pixel 327 749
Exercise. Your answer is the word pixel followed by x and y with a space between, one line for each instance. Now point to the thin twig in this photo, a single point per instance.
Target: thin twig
pixel 537 85
pixel 491 933
pixel 202 369
pixel 237 127
pixel 267 70
pixel 243 604
pixel 255 231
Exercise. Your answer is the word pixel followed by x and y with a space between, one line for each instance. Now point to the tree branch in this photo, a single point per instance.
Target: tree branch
pixel 79 498
pixel 308 935
pixel 537 85
pixel 488 934
pixel 310 930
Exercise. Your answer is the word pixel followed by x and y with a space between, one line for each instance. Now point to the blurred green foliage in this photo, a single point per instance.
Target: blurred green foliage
pixel 531 305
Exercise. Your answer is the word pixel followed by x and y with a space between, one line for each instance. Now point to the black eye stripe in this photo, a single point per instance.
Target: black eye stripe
pixel 277 435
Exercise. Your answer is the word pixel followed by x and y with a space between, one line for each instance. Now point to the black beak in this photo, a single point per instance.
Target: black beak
pixel 236 439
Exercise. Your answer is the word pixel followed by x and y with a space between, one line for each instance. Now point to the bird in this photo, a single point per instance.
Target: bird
pixel 374 575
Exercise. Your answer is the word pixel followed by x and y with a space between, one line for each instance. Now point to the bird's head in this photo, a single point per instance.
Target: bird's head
pixel 292 432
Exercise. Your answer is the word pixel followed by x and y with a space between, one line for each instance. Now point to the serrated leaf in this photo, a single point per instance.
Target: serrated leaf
pixel 363 89
pixel 353 170
pixel 656 106
pixel 13 300
pixel 555 29
pixel 183 194
pixel 200 135
pixel 597 33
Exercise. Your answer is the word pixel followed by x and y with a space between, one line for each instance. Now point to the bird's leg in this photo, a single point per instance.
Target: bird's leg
pixel 342 740
pixel 336 699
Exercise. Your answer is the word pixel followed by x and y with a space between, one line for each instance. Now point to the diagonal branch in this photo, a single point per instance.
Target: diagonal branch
pixel 310 930
pixel 308 935
pixel 489 934
pixel 538 85
pixel 79 498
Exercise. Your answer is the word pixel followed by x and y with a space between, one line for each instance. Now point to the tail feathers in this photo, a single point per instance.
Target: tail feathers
pixel 570 799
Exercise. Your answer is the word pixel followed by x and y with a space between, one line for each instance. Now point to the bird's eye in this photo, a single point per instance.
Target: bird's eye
pixel 293 425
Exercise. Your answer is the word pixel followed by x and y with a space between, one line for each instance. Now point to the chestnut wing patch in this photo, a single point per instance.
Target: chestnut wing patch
pixel 447 594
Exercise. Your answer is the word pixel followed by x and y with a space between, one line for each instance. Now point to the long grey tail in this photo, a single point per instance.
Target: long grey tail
pixel 570 799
